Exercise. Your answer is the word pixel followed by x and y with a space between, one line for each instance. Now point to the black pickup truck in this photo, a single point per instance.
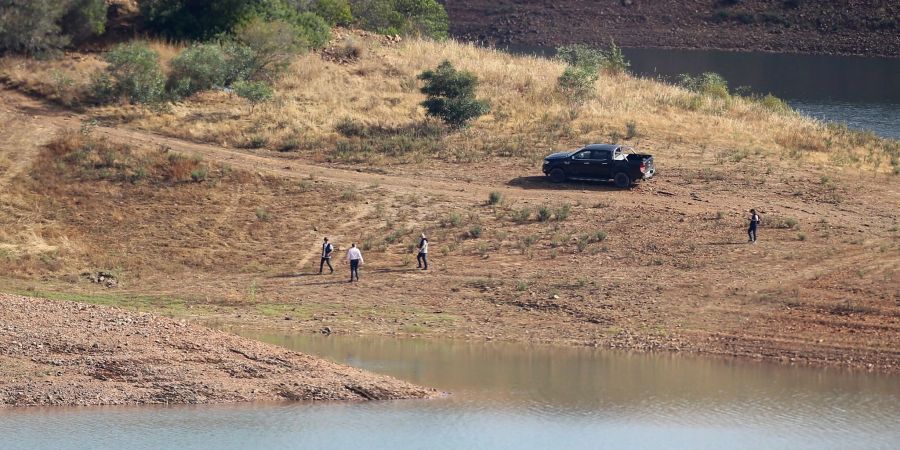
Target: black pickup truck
pixel 599 162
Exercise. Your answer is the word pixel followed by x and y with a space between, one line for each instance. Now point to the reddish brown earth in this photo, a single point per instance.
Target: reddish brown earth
pixel 857 27
pixel 66 353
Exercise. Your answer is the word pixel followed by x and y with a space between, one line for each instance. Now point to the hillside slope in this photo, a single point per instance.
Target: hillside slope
pixel 231 230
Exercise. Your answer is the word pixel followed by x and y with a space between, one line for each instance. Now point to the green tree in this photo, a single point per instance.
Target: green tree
pixel 335 12
pixel 451 95
pixel 196 19
pixel 272 46
pixel 312 29
pixel 37 27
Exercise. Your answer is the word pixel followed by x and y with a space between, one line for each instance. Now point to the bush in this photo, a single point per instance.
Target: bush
pixel 708 83
pixel 614 61
pixel 592 60
pixel 577 84
pixel 451 95
pixel 193 19
pixel 581 56
pixel 263 50
pixel 312 30
pixel 562 213
pixel 335 12
pixel 544 213
pixel 494 198
pixel 39 27
pixel 85 19
pixel 255 92
pixel 198 68
pixel 136 72
pixel 415 17
pixel 475 231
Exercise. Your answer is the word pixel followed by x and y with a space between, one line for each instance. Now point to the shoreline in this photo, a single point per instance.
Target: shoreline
pixel 62 353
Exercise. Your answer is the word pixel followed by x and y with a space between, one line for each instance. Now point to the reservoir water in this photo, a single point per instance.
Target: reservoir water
pixel 511 396
pixel 862 92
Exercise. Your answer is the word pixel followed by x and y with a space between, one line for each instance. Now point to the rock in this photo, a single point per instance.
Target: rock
pixel 326 331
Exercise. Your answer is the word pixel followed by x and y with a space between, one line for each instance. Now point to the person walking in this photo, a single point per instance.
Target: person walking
pixel 754 222
pixel 327 249
pixel 422 257
pixel 355 258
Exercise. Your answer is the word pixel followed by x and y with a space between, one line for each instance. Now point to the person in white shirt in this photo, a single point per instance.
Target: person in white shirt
pixel 355 258
pixel 422 257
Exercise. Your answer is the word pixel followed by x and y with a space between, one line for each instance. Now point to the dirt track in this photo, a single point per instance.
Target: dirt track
pixel 688 283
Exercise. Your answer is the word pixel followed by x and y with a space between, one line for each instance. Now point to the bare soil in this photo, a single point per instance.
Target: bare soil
pixel 674 273
pixel 66 353
pixel 869 28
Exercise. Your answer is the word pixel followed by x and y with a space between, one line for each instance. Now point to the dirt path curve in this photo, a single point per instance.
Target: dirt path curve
pixel 39 118
pixel 45 118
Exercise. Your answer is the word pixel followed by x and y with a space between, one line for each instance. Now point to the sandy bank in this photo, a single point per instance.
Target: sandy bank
pixel 60 353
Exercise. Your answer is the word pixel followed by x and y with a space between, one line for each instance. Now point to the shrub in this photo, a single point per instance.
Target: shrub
pixel 265 50
pixel 630 129
pixel 84 19
pixel 453 220
pixel 562 213
pixel 451 95
pixel 775 104
pixel 312 29
pixel 614 61
pixel 544 213
pixel 198 68
pixel 581 56
pixel 708 83
pixel 192 19
pixel 335 12
pixel 38 27
pixel 576 84
pixel 592 60
pixel 416 17
pixel 494 198
pixel 199 174
pixel 255 92
pixel 136 72
pixel 475 231
pixel 522 215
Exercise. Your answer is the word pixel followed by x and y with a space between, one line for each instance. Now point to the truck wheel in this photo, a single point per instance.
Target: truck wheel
pixel 622 180
pixel 557 176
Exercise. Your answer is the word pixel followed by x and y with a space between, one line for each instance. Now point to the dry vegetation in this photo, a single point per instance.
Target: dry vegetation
pixel 662 266
pixel 364 108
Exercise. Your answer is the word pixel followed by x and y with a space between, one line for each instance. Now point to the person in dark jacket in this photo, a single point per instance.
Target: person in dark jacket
pixel 754 222
pixel 327 250
pixel 422 257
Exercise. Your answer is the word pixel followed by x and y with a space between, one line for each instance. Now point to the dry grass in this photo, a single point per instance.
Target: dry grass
pixel 379 91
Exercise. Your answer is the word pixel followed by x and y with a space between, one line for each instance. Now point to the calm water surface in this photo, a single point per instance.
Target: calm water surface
pixel 511 396
pixel 862 92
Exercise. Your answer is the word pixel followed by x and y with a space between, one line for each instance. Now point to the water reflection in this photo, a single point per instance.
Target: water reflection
pixel 510 396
